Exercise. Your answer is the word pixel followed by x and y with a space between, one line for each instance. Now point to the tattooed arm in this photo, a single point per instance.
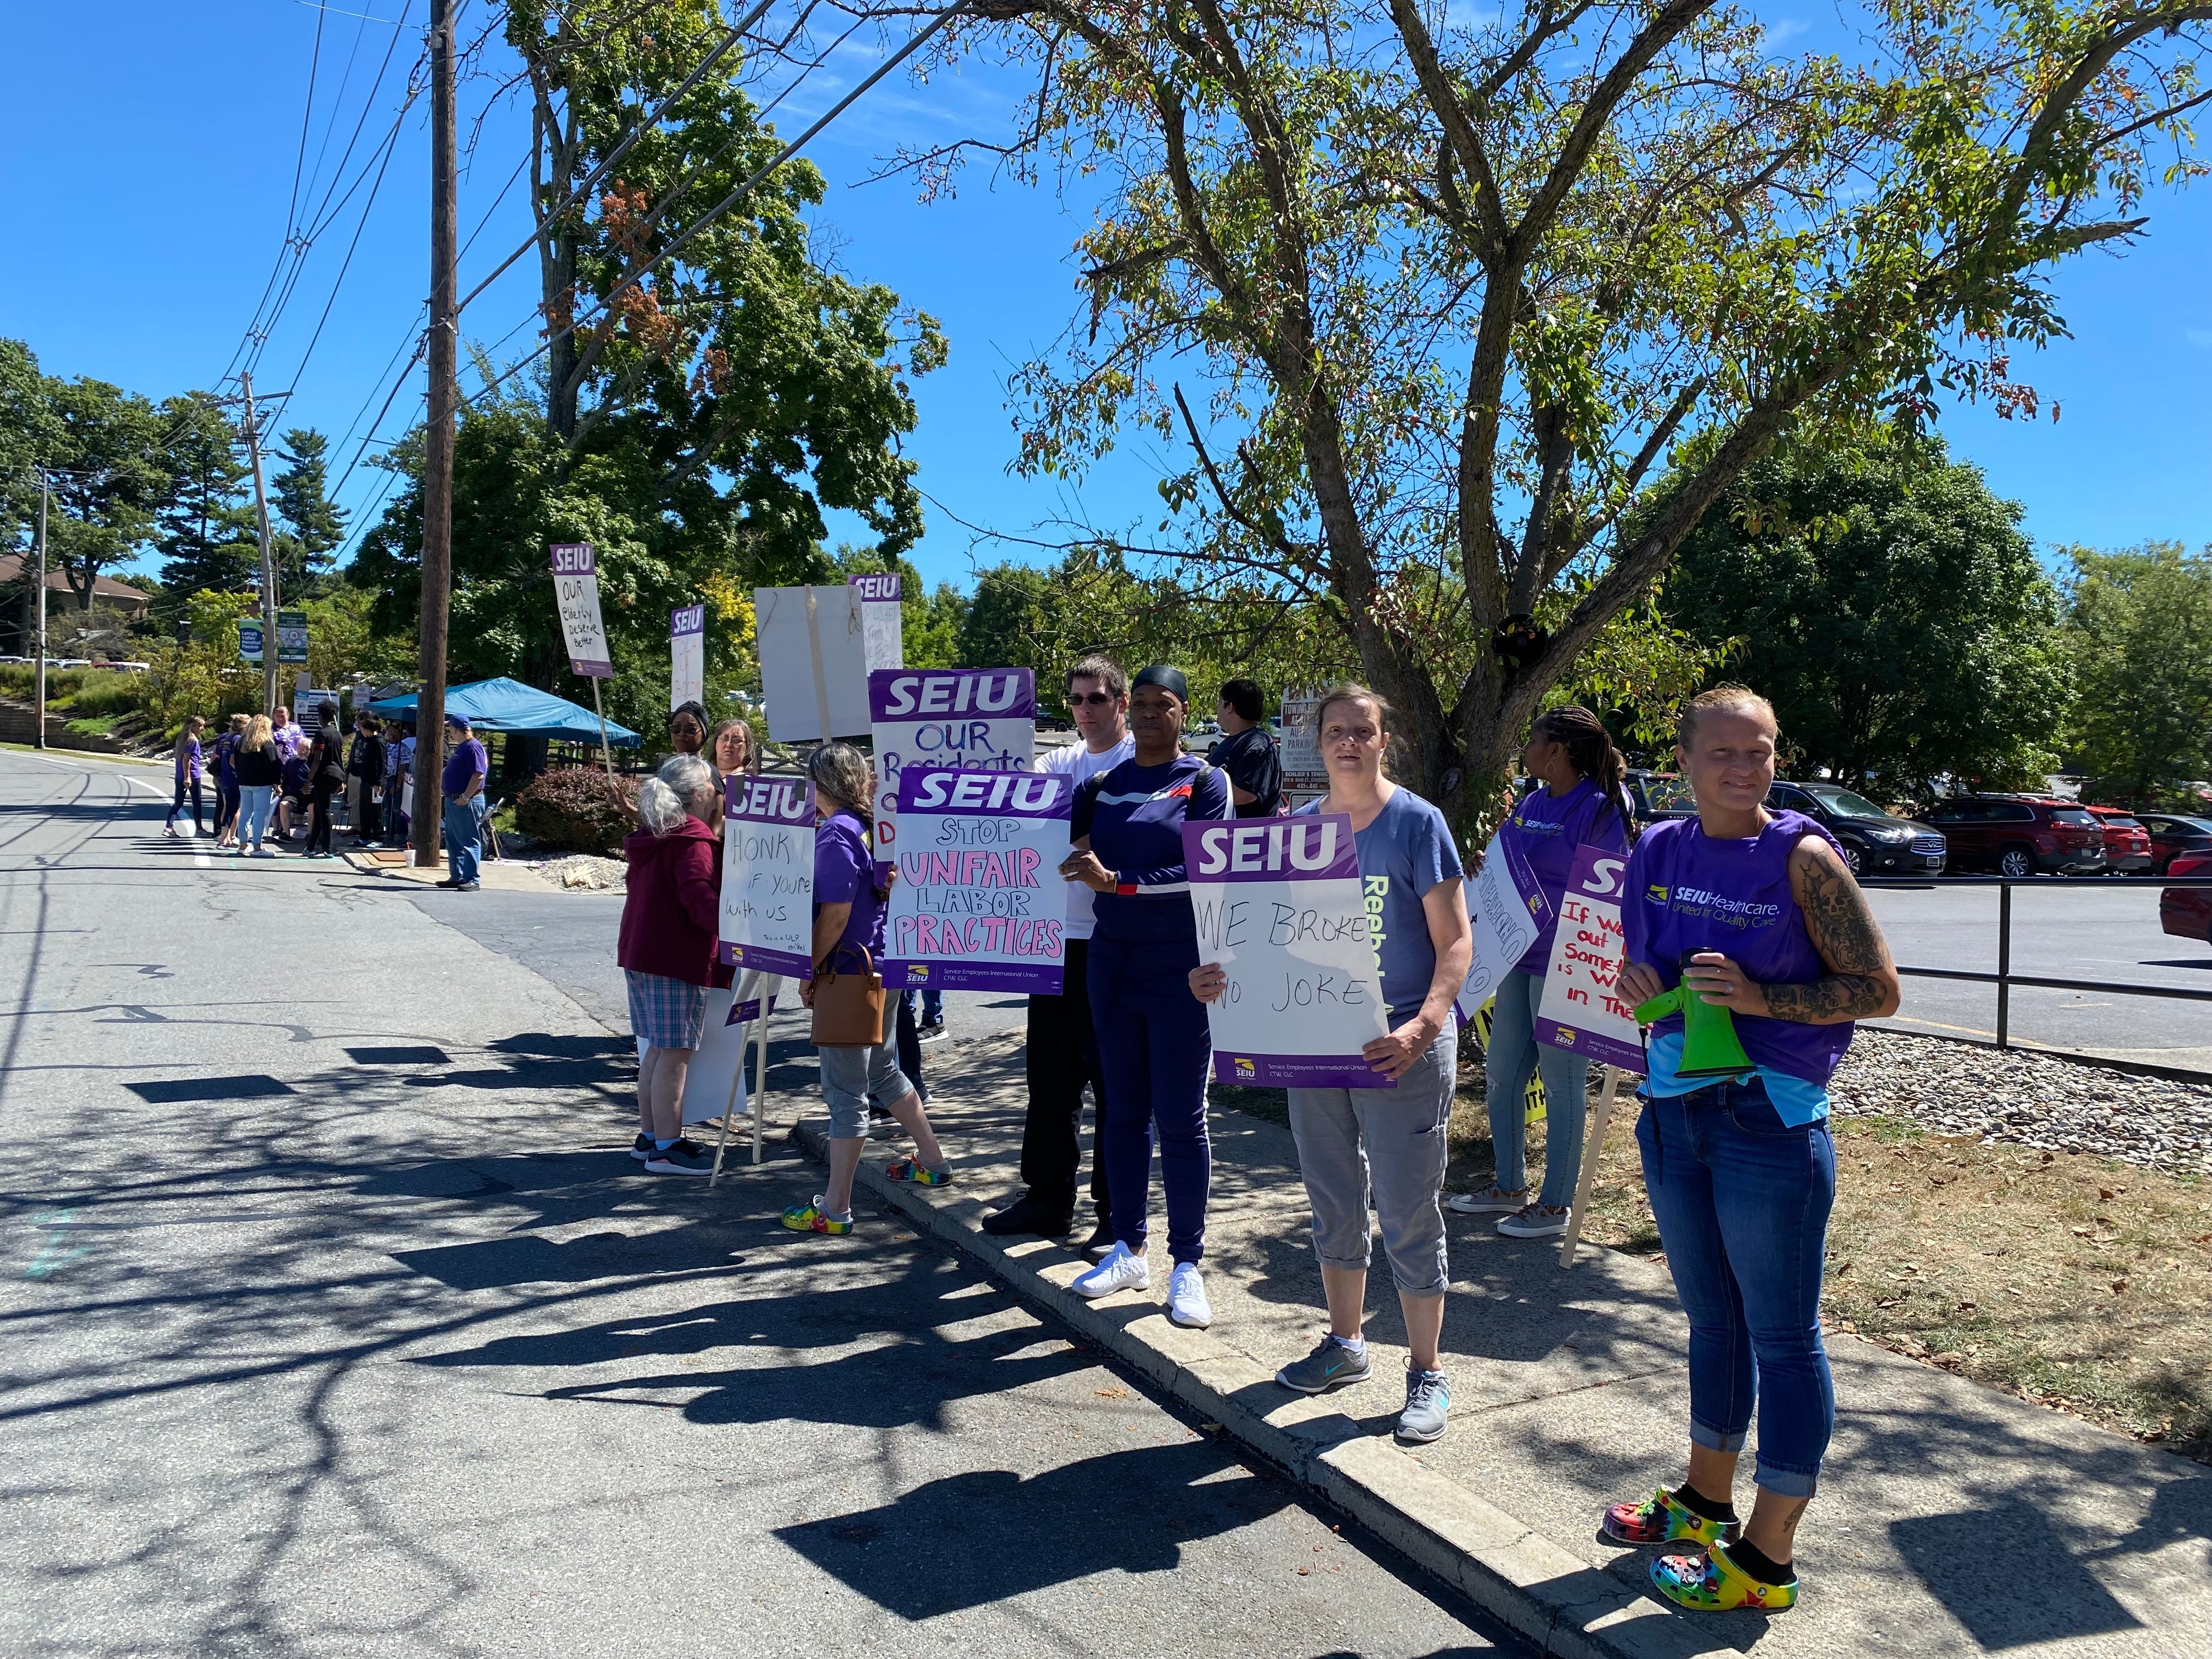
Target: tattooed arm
pixel 1861 982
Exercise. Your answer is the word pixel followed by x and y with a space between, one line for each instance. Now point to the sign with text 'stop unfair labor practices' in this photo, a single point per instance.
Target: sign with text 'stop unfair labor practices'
pixel 883 617
pixel 968 720
pixel 687 655
pixel 767 873
pixel 980 904
pixel 814 661
pixel 576 591
pixel 1281 908
pixel 1581 1008
pixel 1506 905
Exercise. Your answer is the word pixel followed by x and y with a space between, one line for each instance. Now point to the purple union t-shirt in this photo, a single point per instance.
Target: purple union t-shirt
pixel 845 874
pixel 1545 829
pixel 466 760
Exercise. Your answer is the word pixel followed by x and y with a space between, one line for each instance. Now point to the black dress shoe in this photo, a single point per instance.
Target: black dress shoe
pixel 1100 1244
pixel 1025 1215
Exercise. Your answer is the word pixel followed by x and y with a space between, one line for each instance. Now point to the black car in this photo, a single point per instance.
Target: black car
pixel 2171 833
pixel 1874 843
pixel 1659 795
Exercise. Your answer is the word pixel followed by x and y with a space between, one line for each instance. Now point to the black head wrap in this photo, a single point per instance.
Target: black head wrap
pixel 1167 678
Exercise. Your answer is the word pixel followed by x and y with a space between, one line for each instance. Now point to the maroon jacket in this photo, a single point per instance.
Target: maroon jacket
pixel 672 915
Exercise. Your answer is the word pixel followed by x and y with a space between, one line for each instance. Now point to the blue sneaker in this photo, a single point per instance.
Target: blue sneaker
pixel 1428 1407
pixel 1330 1366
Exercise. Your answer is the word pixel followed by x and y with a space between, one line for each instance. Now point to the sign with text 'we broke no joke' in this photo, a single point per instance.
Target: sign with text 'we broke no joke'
pixel 576 591
pixel 980 904
pixel 1279 908
pixel 768 874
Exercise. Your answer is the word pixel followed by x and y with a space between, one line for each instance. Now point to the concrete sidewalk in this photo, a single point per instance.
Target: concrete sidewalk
pixel 1953 1520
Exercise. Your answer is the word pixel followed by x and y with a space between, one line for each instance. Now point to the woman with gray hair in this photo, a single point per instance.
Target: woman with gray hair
pixel 668 948
pixel 848 931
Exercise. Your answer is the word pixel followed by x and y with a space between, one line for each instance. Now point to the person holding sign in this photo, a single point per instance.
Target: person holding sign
pixel 1154 1044
pixel 1390 1139
pixel 687 728
pixel 1758 913
pixel 848 929
pixel 1580 801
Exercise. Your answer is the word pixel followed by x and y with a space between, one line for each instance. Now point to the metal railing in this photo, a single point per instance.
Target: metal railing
pixel 2004 979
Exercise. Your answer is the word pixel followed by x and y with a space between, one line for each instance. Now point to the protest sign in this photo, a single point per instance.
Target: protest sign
pixel 768 874
pixel 1579 1009
pixel 687 655
pixel 979 903
pixel 1505 904
pixel 883 618
pixel 814 661
pixel 964 720
pixel 576 591
pixel 1280 907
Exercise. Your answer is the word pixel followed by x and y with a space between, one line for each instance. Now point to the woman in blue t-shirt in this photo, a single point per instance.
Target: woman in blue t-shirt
pixel 1388 1140
pixel 1582 799
pixel 1154 1046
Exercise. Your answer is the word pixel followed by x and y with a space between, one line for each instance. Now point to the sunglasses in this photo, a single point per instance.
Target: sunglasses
pixel 1096 699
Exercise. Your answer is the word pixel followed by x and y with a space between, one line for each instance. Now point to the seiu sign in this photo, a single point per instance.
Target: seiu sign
pixel 983 791
pixel 773 800
pixel 998 692
pixel 1282 847
pixel 878 588
pixel 573 559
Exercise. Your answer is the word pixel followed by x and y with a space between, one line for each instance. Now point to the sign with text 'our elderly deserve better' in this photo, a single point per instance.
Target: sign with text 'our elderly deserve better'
pixel 979 903
pixel 1280 907
pixel 968 719
pixel 576 591
pixel 768 874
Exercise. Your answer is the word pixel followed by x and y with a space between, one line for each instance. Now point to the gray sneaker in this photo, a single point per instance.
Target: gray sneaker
pixel 1428 1407
pixel 1330 1366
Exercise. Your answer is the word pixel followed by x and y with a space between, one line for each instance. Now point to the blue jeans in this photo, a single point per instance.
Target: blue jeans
pixel 463 837
pixel 1155 1048
pixel 1742 1203
pixel 253 801
pixel 1514 1055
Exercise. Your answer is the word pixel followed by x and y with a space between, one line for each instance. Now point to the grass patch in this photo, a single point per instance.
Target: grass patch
pixel 97 725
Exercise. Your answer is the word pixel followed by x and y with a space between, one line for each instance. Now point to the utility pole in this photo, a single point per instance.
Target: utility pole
pixel 269 652
pixel 40 738
pixel 438 450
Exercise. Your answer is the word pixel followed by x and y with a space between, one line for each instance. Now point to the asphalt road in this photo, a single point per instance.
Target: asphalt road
pixel 2090 928
pixel 337 1321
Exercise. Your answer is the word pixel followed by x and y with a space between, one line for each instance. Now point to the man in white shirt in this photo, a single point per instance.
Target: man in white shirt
pixel 1063 1049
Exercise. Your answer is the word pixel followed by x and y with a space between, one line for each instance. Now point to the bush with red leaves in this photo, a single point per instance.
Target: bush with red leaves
pixel 578 808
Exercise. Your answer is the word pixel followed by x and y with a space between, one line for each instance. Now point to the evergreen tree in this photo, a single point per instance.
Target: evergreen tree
pixel 206 529
pixel 314 525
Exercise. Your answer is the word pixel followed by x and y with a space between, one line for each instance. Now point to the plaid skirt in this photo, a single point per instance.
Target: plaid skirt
pixel 663 1012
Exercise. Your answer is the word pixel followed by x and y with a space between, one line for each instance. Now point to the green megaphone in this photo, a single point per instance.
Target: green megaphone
pixel 1709 1045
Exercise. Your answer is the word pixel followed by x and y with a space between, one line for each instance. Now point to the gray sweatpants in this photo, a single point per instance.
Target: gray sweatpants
pixel 1394 1140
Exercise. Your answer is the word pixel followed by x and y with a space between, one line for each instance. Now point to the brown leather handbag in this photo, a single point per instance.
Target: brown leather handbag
pixel 849 1005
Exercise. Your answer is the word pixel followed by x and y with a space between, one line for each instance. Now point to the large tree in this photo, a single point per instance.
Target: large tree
pixel 207 531
pixel 2141 622
pixel 1887 604
pixel 109 478
pixel 314 525
pixel 1431 300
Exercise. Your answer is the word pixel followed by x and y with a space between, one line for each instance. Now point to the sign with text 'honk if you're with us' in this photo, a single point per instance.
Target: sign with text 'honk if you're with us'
pixel 980 904
pixel 767 873
pixel 1280 907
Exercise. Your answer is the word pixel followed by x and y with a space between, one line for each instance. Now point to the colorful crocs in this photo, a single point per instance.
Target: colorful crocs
pixel 1709 1582
pixel 907 1169
pixel 1661 1521
pixel 810 1218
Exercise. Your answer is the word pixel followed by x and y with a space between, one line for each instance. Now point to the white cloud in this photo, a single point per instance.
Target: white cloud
pixel 2198 336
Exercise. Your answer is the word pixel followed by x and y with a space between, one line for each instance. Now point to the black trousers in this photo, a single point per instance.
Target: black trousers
pixel 318 818
pixel 1063 1056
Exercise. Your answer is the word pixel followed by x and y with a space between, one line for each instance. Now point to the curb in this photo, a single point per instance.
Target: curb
pixel 1540 1591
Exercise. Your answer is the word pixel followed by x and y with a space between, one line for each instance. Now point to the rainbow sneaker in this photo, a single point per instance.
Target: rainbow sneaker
pixel 907 1169
pixel 810 1218
pixel 1708 1582
pixel 1661 1521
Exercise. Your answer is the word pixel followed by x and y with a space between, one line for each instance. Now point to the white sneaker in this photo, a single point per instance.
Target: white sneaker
pixel 1187 1303
pixel 1489 1201
pixel 1537 1221
pixel 1123 1269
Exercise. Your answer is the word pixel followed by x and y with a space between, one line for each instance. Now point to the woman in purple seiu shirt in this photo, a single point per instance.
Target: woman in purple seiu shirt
pixel 1757 911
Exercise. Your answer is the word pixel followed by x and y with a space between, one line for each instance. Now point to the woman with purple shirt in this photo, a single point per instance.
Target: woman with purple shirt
pixel 188 776
pixel 1582 800
pixel 1758 911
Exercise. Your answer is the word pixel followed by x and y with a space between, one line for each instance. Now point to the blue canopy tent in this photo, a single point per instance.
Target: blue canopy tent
pixel 519 710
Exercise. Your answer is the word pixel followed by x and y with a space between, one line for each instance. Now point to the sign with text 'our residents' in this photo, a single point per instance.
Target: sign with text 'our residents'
pixel 968 719
pixel 576 592
pixel 687 655
pixel 767 873
pixel 1581 1008
pixel 1280 907
pixel 979 903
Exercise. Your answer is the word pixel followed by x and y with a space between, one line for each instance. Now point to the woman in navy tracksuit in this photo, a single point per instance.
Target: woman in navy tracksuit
pixel 1154 1043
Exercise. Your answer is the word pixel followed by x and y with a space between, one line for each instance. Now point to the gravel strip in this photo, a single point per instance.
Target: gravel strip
pixel 582 872
pixel 2019 1099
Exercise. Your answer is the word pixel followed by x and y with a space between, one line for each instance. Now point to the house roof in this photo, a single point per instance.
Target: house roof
pixel 11 570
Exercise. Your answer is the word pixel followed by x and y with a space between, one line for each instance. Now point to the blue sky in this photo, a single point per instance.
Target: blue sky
pixel 147 157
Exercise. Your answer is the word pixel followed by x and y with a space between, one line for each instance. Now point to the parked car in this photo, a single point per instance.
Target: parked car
pixel 2127 842
pixel 2173 834
pixel 2186 912
pixel 1658 795
pixel 1874 843
pixel 2018 836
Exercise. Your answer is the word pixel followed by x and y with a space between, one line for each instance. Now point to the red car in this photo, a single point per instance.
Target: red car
pixel 2019 834
pixel 2186 912
pixel 2127 840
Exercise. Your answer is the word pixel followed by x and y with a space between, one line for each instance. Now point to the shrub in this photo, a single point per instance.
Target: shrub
pixel 109 694
pixel 579 809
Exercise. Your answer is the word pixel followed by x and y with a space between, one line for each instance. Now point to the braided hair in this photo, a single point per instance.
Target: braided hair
pixel 1590 750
